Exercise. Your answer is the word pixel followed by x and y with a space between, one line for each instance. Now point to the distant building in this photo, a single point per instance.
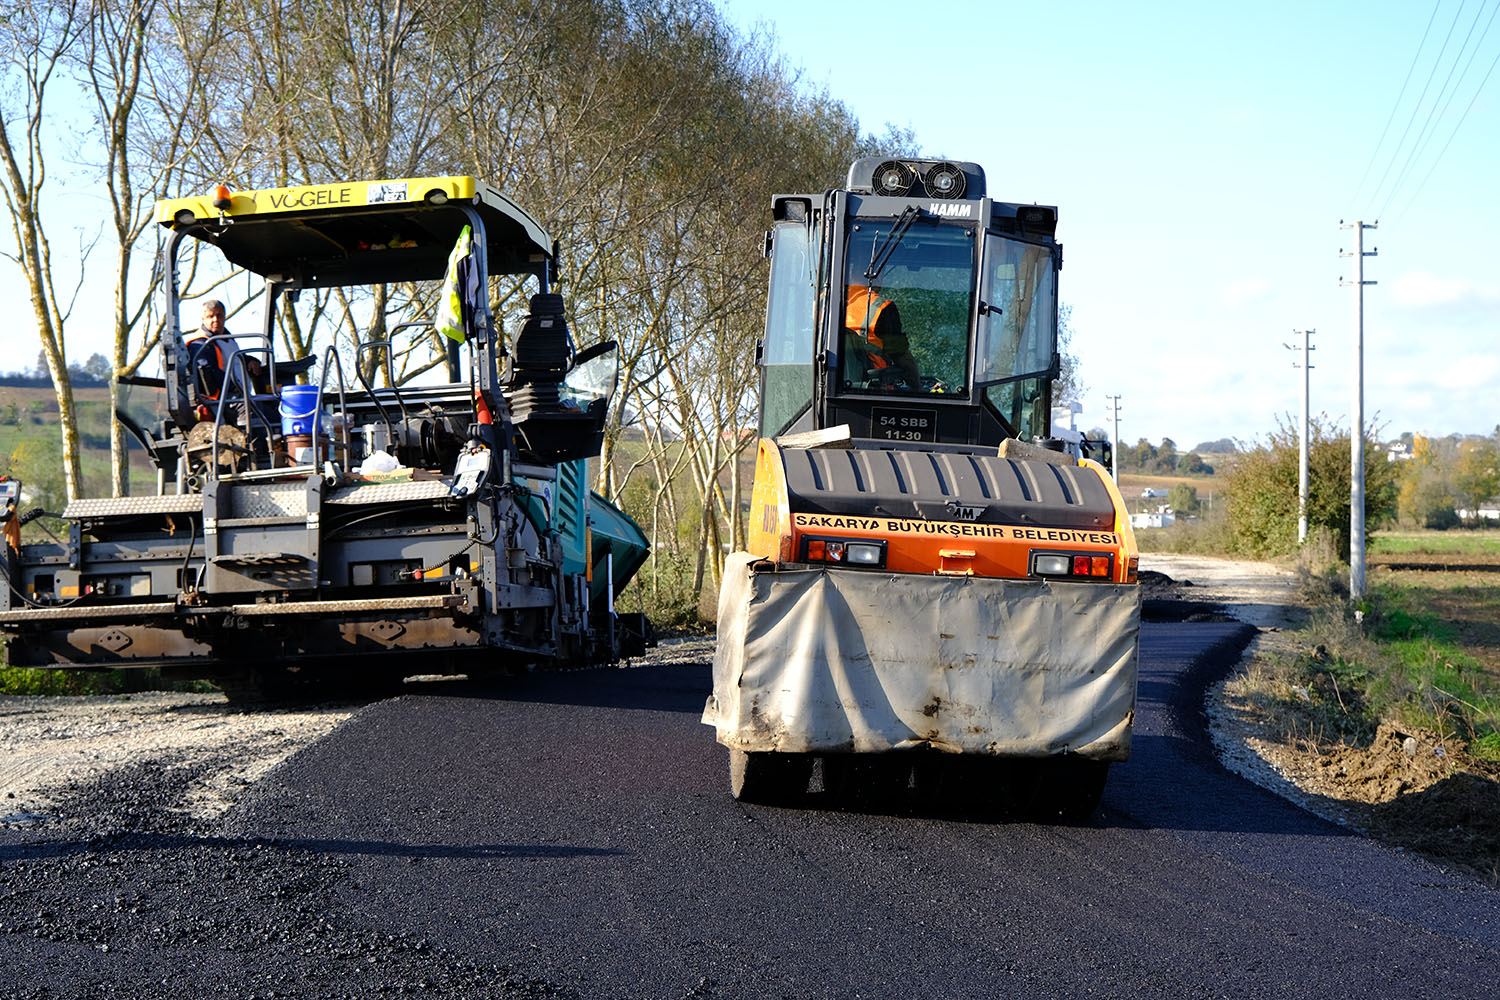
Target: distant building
pixel 1163 518
pixel 1488 511
pixel 1399 451
pixel 1151 494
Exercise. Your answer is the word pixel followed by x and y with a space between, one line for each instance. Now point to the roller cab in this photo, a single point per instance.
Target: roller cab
pixel 929 575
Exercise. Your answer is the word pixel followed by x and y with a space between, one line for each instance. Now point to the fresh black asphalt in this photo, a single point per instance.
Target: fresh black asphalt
pixel 571 835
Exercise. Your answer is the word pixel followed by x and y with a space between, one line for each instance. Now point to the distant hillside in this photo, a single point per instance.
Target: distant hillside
pixel 31 439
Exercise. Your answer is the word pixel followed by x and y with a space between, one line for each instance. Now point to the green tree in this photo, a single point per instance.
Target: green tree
pixel 1262 491
pixel 98 368
pixel 37 462
pixel 1183 498
pixel 1476 474
pixel 1424 488
pixel 1166 456
pixel 1192 464
pixel 1137 458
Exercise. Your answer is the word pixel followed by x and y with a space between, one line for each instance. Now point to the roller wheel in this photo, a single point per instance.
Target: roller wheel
pixel 768 778
pixel 1059 789
pixel 878 781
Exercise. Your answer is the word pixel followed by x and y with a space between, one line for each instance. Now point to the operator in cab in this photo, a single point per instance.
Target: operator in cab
pixel 209 360
pixel 875 342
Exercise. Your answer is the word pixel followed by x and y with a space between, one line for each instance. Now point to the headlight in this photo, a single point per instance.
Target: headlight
pixel 1052 565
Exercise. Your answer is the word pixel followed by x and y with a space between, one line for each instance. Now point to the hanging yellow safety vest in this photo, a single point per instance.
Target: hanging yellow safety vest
pixel 451 317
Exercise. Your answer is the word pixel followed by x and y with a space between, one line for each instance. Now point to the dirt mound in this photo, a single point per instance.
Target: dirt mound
pixel 1455 820
pixel 1408 788
pixel 1395 762
pixel 1421 792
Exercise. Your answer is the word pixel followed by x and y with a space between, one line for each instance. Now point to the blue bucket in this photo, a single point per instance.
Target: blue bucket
pixel 299 410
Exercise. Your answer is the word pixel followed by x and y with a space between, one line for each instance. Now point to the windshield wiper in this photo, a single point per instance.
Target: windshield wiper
pixel 880 254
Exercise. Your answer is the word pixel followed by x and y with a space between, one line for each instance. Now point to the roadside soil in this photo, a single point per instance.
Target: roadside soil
pixel 1408 788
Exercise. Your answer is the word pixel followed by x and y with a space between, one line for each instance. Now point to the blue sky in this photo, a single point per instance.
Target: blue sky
pixel 1202 157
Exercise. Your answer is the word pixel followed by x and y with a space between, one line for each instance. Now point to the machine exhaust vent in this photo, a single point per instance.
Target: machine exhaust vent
pixel 894 179
pixel 944 180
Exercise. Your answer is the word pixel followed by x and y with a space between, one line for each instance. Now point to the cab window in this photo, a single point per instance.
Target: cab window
pixel 787 372
pixel 908 297
pixel 1017 331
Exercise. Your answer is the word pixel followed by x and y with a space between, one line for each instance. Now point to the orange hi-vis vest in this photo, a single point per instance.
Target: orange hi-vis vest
pixel 861 314
pixel 218 346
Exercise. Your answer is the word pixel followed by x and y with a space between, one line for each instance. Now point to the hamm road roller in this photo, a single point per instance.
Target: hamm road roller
pixel 936 593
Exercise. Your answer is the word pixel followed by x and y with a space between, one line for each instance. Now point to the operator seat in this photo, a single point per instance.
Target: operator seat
pixel 539 359
pixel 548 428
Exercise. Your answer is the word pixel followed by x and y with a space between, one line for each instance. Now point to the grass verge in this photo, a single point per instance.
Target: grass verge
pixel 31 681
pixel 1395 656
pixel 1484 542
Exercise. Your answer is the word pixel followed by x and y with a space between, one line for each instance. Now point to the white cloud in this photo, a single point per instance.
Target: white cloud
pixel 1456 397
pixel 1422 288
pixel 1237 293
pixel 1472 372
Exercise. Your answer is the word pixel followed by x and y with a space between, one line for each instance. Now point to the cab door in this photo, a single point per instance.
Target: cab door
pixel 1016 349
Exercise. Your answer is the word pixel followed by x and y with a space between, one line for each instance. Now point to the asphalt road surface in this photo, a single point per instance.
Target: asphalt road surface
pixel 571 835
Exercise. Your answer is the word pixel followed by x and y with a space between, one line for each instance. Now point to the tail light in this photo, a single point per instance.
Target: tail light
pixel 1073 565
pixel 861 554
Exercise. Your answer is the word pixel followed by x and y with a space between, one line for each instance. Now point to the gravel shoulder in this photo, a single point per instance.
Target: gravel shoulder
pixel 211 750
pixel 197 752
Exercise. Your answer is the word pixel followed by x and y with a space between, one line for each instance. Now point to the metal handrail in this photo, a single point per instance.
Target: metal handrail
pixel 245 385
pixel 390 376
pixel 343 411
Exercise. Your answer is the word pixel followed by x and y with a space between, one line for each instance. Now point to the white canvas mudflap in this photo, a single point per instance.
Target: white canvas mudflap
pixel 830 660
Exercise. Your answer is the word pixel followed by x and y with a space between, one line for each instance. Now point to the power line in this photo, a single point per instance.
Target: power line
pixel 1459 124
pixel 1436 113
pixel 1401 143
pixel 1395 107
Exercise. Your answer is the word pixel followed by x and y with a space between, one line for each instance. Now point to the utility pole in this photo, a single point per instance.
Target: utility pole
pixel 1114 454
pixel 1357 417
pixel 1306 366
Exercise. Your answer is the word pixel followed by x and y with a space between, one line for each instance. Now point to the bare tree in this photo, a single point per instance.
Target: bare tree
pixel 37 37
pixel 137 81
pixel 645 134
